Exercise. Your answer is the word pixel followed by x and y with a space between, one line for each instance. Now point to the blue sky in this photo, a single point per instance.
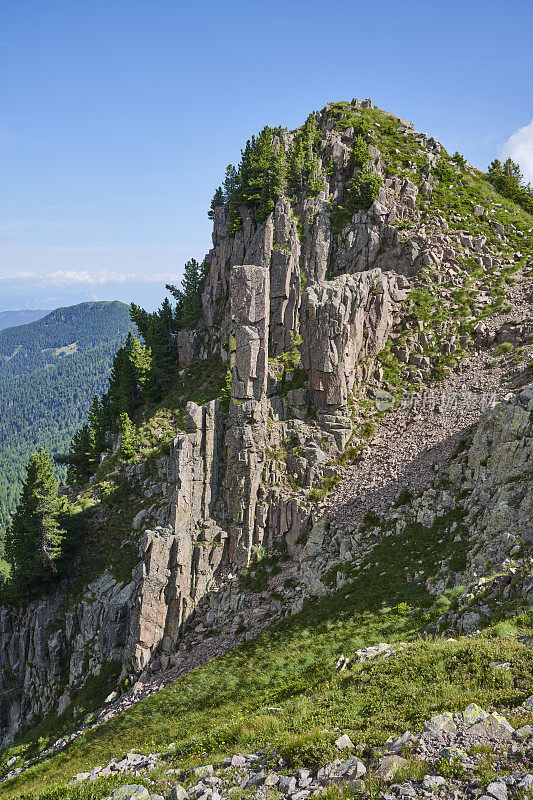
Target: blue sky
pixel 117 118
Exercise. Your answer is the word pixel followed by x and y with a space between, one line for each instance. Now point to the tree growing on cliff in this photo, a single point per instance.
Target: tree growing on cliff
pixel 141 356
pixel 79 458
pixel 259 180
pixel 123 384
pixel 34 538
pixel 218 200
pixel 305 178
pixel 359 153
pixel 231 182
pixel 189 296
pixel 262 174
pixel 128 440
pixel 363 190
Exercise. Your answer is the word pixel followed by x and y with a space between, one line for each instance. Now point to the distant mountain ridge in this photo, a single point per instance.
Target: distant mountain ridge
pixel 67 330
pixel 50 370
pixel 8 319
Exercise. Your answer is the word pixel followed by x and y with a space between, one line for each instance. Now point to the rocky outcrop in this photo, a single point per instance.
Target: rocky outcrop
pixel 481 501
pixel 44 662
pixel 306 251
pixel 250 296
pixel 247 418
pixel 180 561
pixel 285 282
pixel 345 323
pixel 497 472
pixel 244 473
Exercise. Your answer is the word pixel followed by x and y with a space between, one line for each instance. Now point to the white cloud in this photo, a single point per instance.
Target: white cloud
pixel 71 277
pixel 95 265
pixel 17 276
pixel 519 147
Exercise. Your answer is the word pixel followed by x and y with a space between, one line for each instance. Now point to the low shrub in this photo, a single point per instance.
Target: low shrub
pixel 311 749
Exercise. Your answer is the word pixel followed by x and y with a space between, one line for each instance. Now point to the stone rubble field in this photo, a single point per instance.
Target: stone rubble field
pixel 441 762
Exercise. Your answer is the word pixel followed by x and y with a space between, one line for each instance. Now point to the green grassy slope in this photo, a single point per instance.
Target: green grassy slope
pixel 222 707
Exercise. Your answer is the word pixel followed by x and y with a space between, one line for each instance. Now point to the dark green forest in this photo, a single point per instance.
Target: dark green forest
pixel 73 329
pixel 45 396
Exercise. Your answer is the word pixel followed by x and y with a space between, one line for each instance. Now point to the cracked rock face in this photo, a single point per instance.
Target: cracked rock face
pixel 285 282
pixel 240 479
pixel 250 295
pixel 33 658
pixel 174 573
pixel 344 321
pixel 245 435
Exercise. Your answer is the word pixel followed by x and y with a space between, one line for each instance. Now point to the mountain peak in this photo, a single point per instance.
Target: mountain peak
pixel 322 444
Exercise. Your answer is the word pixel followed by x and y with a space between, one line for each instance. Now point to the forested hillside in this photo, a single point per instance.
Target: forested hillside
pixel 10 318
pixel 68 330
pixel 50 371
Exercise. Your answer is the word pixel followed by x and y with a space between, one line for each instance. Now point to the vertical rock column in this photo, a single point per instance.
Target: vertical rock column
pixel 245 435
pixel 181 560
pixel 285 287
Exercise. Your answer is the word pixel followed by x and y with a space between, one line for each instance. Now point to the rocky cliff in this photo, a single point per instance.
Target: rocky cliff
pixel 319 313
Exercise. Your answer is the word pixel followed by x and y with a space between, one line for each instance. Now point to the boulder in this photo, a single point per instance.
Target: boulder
pixel 178 793
pixel 389 766
pixel 441 723
pixel 344 742
pixel 133 792
pixel 497 790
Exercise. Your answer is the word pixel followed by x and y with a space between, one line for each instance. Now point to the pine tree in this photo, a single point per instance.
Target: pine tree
pixel 296 169
pixel 218 200
pixel 161 339
pixel 305 176
pixel 141 318
pixel 33 543
pixel 123 387
pixel 128 441
pixel 362 191
pixel 231 183
pixel 141 356
pixel 359 153
pixel 106 416
pixel 97 430
pixel 189 296
pixel 158 330
pixel 192 285
pixel 80 457
pixel 262 174
pixel 508 180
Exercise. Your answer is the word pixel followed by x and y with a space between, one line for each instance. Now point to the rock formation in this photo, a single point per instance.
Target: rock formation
pixel 304 309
